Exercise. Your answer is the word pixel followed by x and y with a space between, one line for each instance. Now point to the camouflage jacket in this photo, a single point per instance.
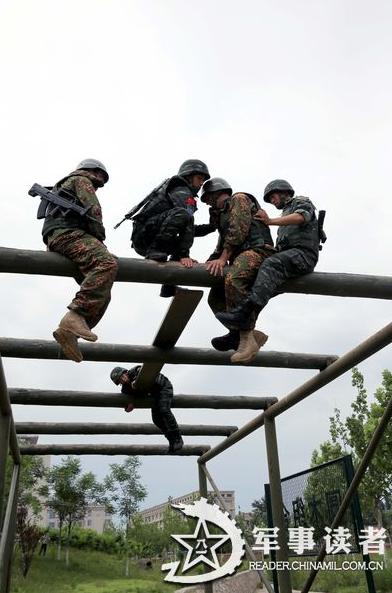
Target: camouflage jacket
pixel 303 236
pixel 238 229
pixel 79 184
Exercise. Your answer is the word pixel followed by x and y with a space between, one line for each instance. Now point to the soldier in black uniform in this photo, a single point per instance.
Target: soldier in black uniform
pixel 164 225
pixel 297 243
pixel 161 397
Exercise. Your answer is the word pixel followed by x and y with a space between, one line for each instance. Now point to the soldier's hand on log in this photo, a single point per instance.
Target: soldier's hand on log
pixel 187 262
pixel 129 407
pixel 215 267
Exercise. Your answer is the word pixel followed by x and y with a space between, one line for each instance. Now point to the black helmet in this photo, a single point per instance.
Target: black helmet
pixel 93 164
pixel 118 371
pixel 116 374
pixel 277 185
pixel 215 184
pixel 193 166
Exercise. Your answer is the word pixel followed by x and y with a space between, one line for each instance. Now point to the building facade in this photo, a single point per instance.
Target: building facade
pixel 155 514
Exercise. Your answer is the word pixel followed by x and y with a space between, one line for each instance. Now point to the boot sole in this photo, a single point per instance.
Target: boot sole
pixel 70 351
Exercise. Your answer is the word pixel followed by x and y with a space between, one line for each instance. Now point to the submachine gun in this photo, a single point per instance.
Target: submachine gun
pixel 64 204
pixel 321 232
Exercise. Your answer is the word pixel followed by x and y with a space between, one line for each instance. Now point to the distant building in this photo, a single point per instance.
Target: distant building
pixel 96 517
pixel 155 514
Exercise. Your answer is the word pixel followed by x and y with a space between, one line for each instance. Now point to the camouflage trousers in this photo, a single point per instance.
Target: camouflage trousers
pixel 98 269
pixel 238 281
pixel 278 268
pixel 161 413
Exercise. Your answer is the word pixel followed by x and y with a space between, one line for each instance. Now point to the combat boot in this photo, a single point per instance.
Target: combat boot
pixel 168 290
pixel 175 441
pixel 250 343
pixel 227 342
pixel 76 324
pixel 241 317
pixel 156 255
pixel 68 343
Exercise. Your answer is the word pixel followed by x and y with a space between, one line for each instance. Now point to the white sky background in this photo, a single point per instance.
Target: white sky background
pixel 258 90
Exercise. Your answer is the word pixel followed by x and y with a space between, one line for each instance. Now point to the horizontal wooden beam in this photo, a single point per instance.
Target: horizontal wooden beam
pixel 110 450
pixel 44 349
pixel 23 261
pixel 117 428
pixel 42 397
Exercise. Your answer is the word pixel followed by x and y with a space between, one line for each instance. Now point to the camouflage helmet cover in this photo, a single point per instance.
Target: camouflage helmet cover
pixel 277 185
pixel 193 166
pixel 214 184
pixel 93 164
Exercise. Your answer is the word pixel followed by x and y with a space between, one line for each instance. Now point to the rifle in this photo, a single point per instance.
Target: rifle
pixel 129 215
pixel 320 222
pixel 139 207
pixel 47 196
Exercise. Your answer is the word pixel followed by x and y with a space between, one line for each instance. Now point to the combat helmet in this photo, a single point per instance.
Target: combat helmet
pixel 277 185
pixel 215 184
pixel 93 164
pixel 116 374
pixel 192 167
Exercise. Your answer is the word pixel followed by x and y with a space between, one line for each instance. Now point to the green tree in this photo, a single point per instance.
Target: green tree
pixel 352 435
pixel 69 493
pixel 124 493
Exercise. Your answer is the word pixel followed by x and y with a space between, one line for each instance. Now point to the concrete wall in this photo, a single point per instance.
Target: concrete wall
pixel 242 582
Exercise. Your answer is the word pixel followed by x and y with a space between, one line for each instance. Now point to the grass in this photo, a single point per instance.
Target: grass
pixel 88 572
pixel 96 572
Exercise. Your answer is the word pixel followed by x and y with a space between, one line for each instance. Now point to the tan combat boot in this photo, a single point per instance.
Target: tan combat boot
pixel 76 324
pixel 68 343
pixel 250 343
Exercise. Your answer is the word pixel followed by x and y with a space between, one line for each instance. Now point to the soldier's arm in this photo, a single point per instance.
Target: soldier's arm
pixel 304 211
pixel 85 192
pixel 182 197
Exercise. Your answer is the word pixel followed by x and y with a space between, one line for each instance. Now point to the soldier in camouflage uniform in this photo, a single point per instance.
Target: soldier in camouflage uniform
pixel 162 395
pixel 80 238
pixel 298 250
pixel 164 226
pixel 244 243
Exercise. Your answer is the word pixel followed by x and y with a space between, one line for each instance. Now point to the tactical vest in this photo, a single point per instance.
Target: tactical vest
pixel 259 233
pixel 55 218
pixel 302 236
pixel 159 200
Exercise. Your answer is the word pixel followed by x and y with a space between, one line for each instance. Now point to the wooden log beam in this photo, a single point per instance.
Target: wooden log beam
pixel 42 397
pixel 44 349
pixel 83 449
pixel 117 428
pixel 23 261
pixel 179 313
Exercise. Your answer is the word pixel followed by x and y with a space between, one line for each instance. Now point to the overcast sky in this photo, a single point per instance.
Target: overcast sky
pixel 258 90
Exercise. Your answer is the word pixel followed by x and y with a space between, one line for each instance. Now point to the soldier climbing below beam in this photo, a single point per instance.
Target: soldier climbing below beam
pixel 298 245
pixel 244 242
pixel 80 238
pixel 163 224
pixel 161 397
